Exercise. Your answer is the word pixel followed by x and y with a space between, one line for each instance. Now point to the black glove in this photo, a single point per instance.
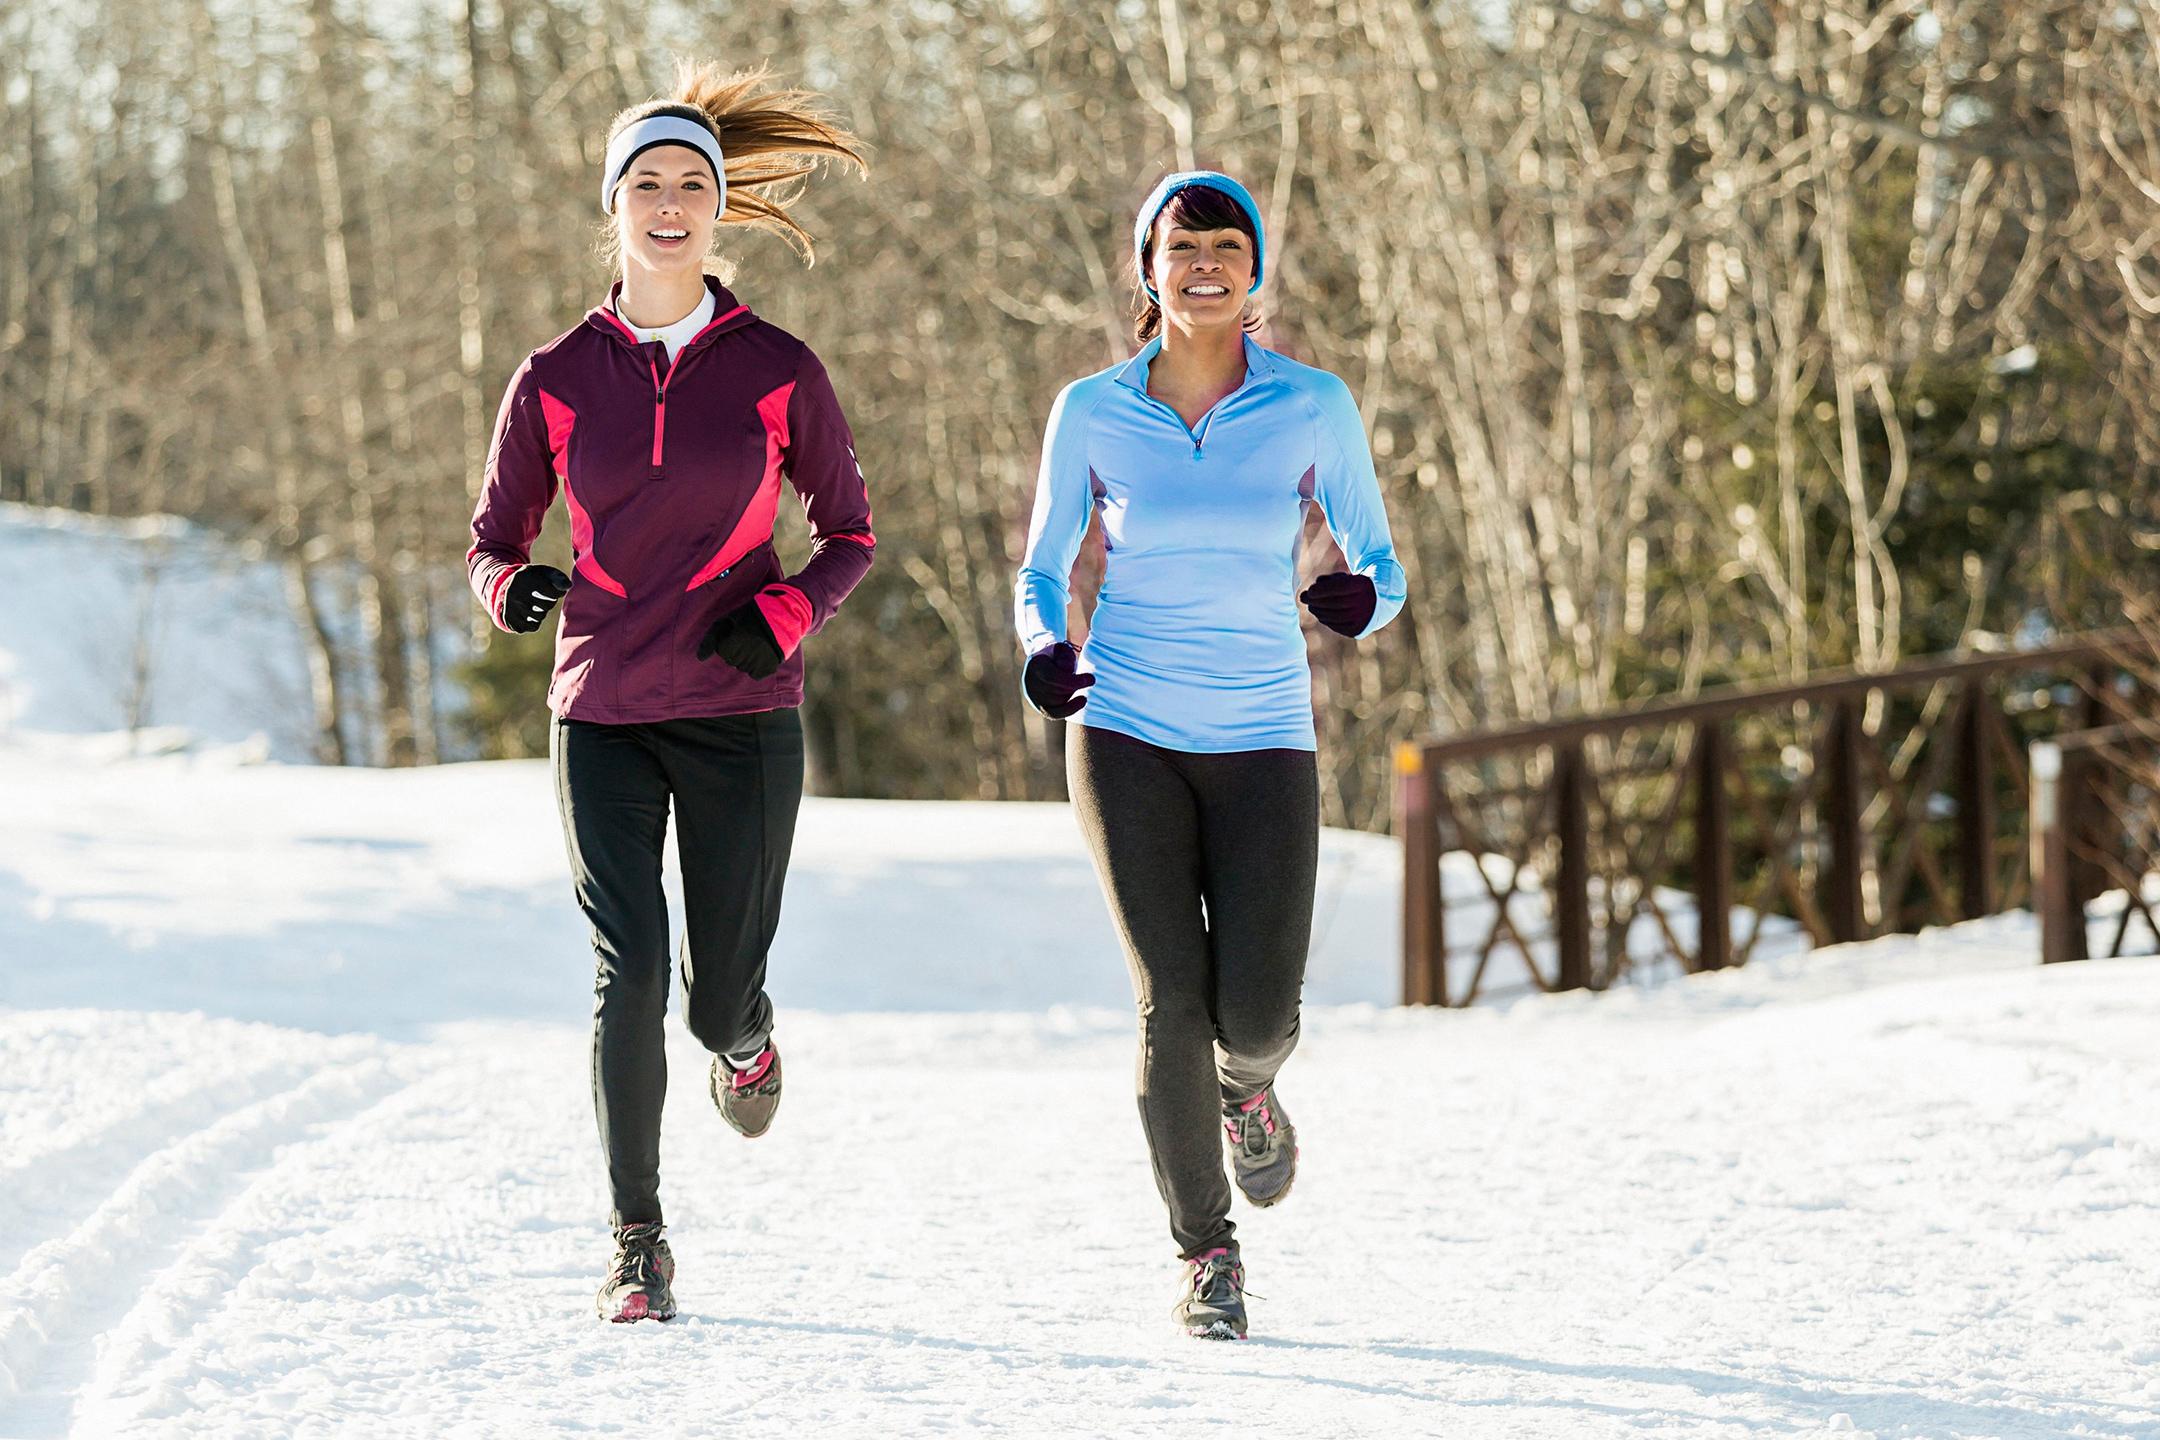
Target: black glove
pixel 1053 681
pixel 531 593
pixel 1343 602
pixel 743 639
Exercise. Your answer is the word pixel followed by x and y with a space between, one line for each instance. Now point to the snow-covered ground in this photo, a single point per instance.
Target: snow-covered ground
pixel 165 627
pixel 154 617
pixel 295 1140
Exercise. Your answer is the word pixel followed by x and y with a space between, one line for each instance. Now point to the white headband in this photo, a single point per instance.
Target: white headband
pixel 635 140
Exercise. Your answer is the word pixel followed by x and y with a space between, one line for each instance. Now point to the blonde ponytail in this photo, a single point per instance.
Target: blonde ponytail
pixel 773 139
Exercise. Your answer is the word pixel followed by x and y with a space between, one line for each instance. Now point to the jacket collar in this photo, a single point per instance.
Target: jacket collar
pixel 728 314
pixel 1133 374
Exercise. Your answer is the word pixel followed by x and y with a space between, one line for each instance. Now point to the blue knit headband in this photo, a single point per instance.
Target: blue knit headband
pixel 1183 180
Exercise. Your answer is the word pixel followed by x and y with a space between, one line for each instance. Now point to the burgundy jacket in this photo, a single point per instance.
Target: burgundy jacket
pixel 672 477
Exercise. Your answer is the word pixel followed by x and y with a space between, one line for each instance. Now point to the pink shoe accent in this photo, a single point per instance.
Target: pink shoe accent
pixel 1259 1103
pixel 1199 1263
pixel 634 1308
pixel 746 1078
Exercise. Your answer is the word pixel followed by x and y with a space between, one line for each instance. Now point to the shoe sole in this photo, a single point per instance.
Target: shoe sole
pixel 637 1308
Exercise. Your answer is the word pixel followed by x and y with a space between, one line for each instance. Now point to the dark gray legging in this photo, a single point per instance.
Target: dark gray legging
pixel 1208 862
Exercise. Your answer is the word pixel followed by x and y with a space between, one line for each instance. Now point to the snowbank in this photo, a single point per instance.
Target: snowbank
pixel 113 624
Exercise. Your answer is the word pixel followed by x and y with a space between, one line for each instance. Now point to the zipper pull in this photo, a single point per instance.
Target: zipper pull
pixel 659 413
pixel 659 433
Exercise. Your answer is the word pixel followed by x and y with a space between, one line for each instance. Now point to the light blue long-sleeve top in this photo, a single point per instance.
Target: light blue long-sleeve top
pixel 1194 641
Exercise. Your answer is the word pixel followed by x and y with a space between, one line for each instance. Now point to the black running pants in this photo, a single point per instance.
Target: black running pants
pixel 1208 862
pixel 735 784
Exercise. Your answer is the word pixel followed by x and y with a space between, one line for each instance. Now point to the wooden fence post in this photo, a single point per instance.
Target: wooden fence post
pixel 2061 911
pixel 2083 784
pixel 1423 923
pixel 1975 792
pixel 1841 814
pixel 1713 849
pixel 1571 883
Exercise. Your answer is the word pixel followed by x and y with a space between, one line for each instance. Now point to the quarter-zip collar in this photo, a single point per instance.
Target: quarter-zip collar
pixel 1133 375
pixel 678 334
pixel 728 314
pixel 731 315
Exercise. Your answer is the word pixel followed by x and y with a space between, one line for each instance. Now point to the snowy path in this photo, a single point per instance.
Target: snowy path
pixel 295 1140
pixel 1928 1210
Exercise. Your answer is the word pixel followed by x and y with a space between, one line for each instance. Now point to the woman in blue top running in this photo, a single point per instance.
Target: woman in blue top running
pixel 1191 766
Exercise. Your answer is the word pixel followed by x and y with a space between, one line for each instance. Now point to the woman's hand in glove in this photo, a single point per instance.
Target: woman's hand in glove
pixel 743 639
pixel 1053 681
pixel 531 593
pixel 1342 601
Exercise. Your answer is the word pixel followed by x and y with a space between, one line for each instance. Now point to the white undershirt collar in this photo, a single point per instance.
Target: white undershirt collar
pixel 677 335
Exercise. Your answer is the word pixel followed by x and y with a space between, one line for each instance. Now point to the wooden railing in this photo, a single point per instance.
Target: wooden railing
pixel 1852 803
pixel 2095 825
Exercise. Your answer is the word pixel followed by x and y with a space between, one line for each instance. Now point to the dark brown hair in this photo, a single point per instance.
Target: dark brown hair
pixel 1196 207
pixel 771 139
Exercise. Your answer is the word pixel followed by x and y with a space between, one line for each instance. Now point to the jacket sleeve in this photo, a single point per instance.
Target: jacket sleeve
pixel 520 485
pixel 820 463
pixel 1349 496
pixel 1063 498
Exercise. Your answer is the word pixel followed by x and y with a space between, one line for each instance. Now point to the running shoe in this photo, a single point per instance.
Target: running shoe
pixel 1263 1147
pixel 748 1097
pixel 640 1284
pixel 1213 1305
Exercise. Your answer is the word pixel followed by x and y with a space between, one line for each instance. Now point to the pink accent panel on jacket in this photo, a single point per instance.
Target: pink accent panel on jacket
pixel 495 592
pixel 581 542
pixel 561 420
pixel 787 614
pixel 519 486
pixel 756 525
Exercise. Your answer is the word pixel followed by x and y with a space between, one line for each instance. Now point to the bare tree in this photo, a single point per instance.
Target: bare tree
pixel 1695 342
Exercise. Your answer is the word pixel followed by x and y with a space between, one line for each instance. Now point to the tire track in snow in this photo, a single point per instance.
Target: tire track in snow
pixel 63 1290
pixel 99 1163
pixel 145 1358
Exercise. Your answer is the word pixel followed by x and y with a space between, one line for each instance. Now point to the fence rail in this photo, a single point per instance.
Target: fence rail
pixel 1853 803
